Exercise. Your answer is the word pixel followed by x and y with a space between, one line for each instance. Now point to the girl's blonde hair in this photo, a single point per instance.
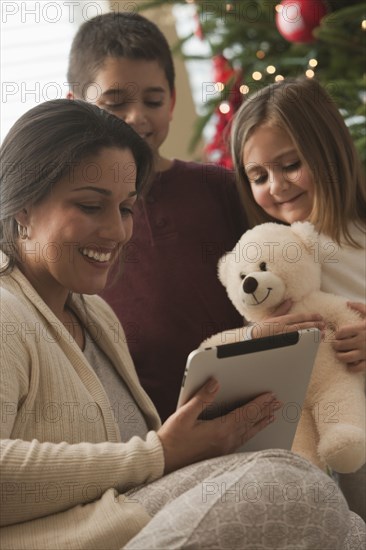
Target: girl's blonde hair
pixel 304 109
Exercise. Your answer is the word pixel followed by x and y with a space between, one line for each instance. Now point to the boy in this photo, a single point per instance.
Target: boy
pixel 189 217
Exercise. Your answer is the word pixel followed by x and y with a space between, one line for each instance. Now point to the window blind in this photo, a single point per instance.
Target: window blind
pixel 35 42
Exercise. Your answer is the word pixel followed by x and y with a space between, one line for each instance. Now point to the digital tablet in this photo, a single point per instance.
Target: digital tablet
pixel 281 364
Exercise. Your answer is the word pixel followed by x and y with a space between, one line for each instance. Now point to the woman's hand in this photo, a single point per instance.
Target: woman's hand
pixel 350 341
pixel 186 439
pixel 282 322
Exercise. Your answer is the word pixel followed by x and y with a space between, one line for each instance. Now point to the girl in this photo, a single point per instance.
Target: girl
pixel 295 160
pixel 81 443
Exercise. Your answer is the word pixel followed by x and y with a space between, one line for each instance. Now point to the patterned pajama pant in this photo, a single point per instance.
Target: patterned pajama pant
pixel 255 501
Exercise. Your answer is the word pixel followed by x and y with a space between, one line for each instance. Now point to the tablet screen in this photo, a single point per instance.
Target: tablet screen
pixel 281 364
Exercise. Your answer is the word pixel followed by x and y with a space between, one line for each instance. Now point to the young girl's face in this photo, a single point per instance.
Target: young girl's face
pixel 281 184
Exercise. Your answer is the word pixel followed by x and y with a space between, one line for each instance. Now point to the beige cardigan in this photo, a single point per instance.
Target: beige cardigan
pixel 63 466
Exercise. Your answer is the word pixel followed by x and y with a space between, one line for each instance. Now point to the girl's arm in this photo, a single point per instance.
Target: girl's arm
pixel 350 341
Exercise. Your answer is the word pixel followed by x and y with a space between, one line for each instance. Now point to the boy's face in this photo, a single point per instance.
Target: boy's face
pixel 137 91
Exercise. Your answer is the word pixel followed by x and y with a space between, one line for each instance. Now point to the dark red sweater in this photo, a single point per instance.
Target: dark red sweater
pixel 168 297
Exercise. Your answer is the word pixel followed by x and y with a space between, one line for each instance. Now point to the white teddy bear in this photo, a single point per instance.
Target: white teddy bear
pixel 270 264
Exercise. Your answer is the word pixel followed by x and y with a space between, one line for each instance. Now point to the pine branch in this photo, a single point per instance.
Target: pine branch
pixel 339 49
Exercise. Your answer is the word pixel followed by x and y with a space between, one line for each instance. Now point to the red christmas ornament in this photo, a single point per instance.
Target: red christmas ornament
pixel 217 150
pixel 297 19
pixel 223 70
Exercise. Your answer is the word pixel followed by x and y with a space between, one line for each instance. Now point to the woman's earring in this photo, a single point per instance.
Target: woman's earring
pixel 22 232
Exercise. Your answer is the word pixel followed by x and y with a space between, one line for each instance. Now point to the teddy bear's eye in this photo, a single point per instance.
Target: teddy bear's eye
pixel 242 276
pixel 263 266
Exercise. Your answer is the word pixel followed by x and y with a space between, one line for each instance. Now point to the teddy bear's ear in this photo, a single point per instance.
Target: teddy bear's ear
pixel 222 268
pixel 306 232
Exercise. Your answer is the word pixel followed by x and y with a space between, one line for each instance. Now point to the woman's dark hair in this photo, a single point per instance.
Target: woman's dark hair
pixel 44 144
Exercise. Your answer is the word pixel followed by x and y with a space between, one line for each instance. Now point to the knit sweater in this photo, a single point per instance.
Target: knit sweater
pixel 63 466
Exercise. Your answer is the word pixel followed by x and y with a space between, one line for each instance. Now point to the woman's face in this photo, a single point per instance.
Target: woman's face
pixel 76 232
pixel 281 184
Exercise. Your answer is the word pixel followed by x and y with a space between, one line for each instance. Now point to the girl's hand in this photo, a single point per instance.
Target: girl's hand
pixel 350 341
pixel 186 439
pixel 282 321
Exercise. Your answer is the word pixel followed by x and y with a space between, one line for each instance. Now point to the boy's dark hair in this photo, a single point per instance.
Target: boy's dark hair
pixel 116 35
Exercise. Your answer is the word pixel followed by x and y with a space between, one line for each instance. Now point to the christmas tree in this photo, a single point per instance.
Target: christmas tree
pixel 257 42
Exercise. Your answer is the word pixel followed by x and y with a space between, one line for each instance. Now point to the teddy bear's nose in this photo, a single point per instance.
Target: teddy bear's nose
pixel 250 285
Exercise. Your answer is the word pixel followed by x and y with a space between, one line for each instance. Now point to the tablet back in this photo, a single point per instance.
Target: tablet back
pixel 281 364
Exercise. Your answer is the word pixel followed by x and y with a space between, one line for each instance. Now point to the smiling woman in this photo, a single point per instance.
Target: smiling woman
pixel 86 224
pixel 66 209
